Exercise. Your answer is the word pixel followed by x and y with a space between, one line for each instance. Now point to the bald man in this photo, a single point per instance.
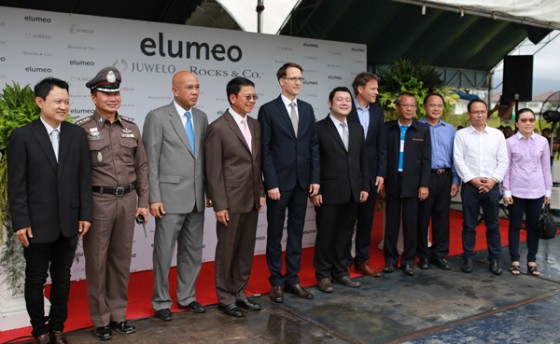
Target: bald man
pixel 173 137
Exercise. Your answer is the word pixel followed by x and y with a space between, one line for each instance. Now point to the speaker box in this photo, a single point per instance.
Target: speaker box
pixel 518 78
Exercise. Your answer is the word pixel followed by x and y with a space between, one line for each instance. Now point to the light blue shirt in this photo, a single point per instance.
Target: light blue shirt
pixel 363 116
pixel 442 135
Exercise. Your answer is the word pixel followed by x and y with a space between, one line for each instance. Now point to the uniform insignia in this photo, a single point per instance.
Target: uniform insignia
pixel 111 77
pixel 94 134
pixel 128 119
pixel 99 157
pixel 81 121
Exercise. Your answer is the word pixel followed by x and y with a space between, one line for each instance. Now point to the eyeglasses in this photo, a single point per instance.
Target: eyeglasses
pixel 248 98
pixel 525 120
pixel 295 78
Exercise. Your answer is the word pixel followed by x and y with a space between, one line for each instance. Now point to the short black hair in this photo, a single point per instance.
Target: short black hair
pixel 523 111
pixel 234 85
pixel 44 87
pixel 476 101
pixel 433 94
pixel 406 94
pixel 338 89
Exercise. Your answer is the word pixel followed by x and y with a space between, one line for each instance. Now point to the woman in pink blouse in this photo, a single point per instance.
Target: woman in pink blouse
pixel 527 184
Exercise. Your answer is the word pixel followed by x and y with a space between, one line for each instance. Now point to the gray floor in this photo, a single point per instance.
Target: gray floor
pixel 434 306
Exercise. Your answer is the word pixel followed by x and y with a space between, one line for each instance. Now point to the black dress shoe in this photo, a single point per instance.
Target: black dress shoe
pixel 56 337
pixel 346 281
pixel 495 267
pixel 194 306
pixel 232 310
pixel 298 291
pixel 408 269
pixel 277 294
pixel 389 268
pixel 424 264
pixel 249 304
pixel 164 314
pixel 103 333
pixel 325 285
pixel 45 338
pixel 441 263
pixel 467 266
pixel 122 327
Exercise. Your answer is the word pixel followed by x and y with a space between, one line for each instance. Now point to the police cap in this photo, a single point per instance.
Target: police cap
pixel 107 80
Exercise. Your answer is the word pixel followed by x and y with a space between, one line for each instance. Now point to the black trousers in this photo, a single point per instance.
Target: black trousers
pixel 364 225
pixel 435 207
pixel 38 256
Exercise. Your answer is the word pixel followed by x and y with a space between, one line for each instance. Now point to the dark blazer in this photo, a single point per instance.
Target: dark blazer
pixel 232 171
pixel 50 198
pixel 417 158
pixel 343 173
pixel 287 160
pixel 376 141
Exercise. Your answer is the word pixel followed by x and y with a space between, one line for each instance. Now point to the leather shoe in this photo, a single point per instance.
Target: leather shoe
pixel 195 307
pixel 56 337
pixel 232 310
pixel 346 281
pixel 277 294
pixel 164 314
pixel 441 263
pixel 325 285
pixel 495 267
pixel 390 267
pixel 298 291
pixel 364 269
pixel 424 264
pixel 249 304
pixel 467 266
pixel 122 327
pixel 45 338
pixel 408 270
pixel 102 333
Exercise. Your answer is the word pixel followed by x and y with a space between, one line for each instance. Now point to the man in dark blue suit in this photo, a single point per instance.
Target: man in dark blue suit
pixel 409 156
pixel 290 164
pixel 370 116
pixel 50 200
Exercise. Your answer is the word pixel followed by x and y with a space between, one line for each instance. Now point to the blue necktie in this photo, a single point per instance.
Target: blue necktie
pixel 189 129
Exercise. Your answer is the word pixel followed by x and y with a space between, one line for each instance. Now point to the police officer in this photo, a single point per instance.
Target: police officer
pixel 119 175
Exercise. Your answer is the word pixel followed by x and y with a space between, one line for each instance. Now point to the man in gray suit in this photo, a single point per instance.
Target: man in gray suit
pixel 173 137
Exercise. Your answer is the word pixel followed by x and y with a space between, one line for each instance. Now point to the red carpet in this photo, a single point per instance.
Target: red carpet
pixel 140 288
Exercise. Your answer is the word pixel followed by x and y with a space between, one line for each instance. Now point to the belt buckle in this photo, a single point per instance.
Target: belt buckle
pixel 119 191
pixel 440 171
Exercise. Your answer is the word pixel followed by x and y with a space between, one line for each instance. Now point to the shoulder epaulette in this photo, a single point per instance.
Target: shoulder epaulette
pixel 128 119
pixel 81 121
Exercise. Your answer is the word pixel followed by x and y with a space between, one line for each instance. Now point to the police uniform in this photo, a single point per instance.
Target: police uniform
pixel 119 176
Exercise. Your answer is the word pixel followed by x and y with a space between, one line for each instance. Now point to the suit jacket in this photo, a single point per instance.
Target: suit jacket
pixel 417 158
pixel 288 160
pixel 344 174
pixel 47 196
pixel 176 175
pixel 233 172
pixel 376 141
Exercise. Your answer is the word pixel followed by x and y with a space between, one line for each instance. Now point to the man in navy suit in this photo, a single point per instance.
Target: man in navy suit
pixel 345 184
pixel 50 200
pixel 290 164
pixel 409 156
pixel 370 116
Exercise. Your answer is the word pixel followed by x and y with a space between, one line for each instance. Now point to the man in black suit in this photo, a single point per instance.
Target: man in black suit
pixel 344 184
pixel 408 178
pixel 49 194
pixel 290 164
pixel 370 116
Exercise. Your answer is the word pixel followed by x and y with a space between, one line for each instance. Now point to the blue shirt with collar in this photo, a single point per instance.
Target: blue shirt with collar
pixel 442 135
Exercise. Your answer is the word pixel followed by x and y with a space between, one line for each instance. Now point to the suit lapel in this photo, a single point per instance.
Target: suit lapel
pixel 45 142
pixel 177 124
pixel 334 132
pixel 65 139
pixel 235 128
pixel 285 117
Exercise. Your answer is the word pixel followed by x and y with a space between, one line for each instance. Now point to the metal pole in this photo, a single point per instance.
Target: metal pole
pixel 260 9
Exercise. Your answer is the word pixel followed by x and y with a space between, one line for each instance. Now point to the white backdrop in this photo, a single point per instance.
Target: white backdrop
pixel 36 44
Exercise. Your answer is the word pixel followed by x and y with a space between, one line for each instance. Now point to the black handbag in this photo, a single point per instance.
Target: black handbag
pixel 547 226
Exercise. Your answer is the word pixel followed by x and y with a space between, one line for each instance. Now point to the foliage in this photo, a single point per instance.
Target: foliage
pixel 416 79
pixel 17 108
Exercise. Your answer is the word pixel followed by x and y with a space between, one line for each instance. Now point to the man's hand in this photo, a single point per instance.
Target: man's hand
pixel 454 190
pixel 22 235
pixel 83 227
pixel 143 212
pixel 157 210
pixel 313 190
pixel 261 202
pixel 477 182
pixel 423 193
pixel 363 196
pixel 274 194
pixel 222 216
pixel 380 183
pixel 317 200
pixel 508 200
pixel 547 200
